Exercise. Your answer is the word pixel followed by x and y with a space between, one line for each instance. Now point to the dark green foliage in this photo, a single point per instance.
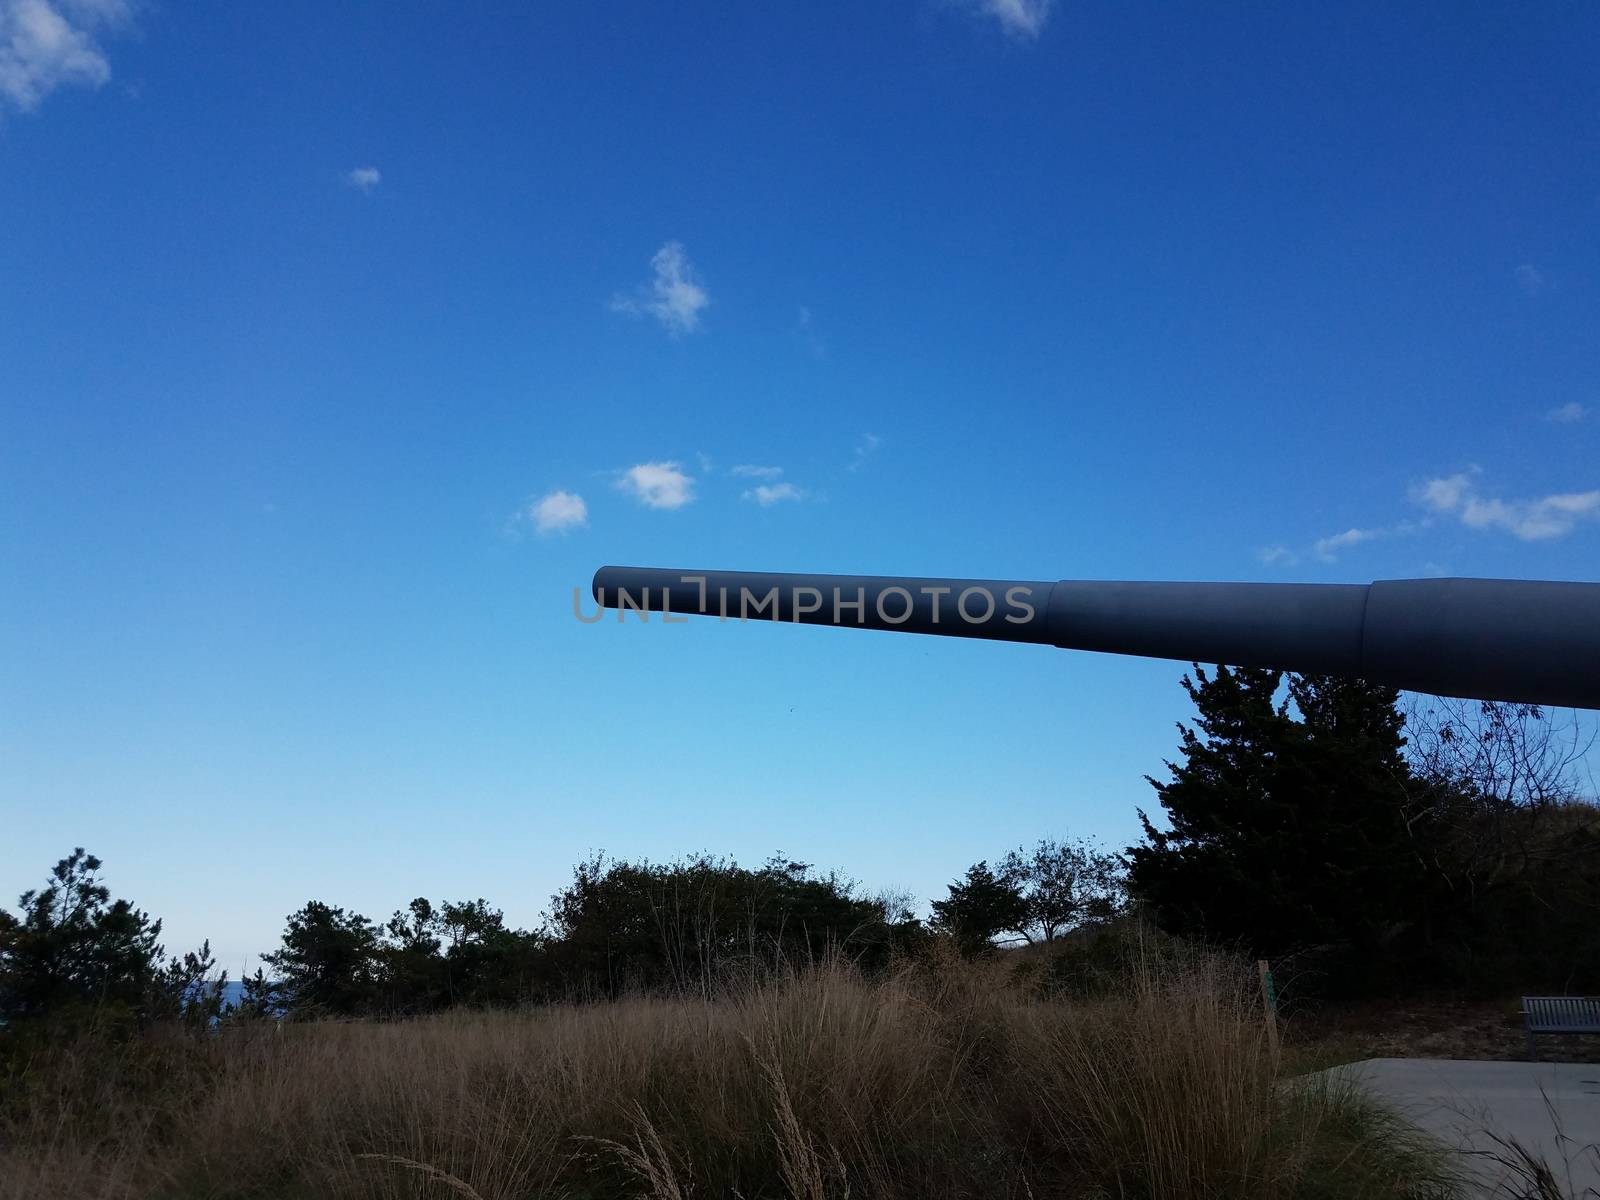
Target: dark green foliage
pixel 1110 959
pixel 190 990
pixel 980 907
pixel 1288 828
pixel 1207 872
pixel 1306 825
pixel 1517 873
pixel 1515 901
pixel 686 924
pixel 259 998
pixel 426 958
pixel 1037 895
pixel 1065 886
pixel 328 964
pixel 618 925
pixel 75 955
pixel 413 966
pixel 485 963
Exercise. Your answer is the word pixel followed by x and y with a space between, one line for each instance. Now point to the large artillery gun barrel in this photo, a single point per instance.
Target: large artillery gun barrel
pixel 1529 641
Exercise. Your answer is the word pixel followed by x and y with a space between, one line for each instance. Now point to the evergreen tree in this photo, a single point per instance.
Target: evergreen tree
pixel 189 989
pixel 1287 827
pixel 75 953
pixel 981 906
pixel 485 961
pixel 1354 791
pixel 258 998
pixel 413 966
pixel 328 964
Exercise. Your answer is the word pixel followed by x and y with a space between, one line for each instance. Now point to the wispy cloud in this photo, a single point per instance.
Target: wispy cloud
pixel 1567 414
pixel 1328 548
pixel 1277 554
pixel 558 512
pixel 364 179
pixel 1458 497
pixel 1024 19
pixel 864 449
pixel 658 484
pixel 674 296
pixel 805 331
pixel 1530 279
pixel 1540 519
pixel 747 471
pixel 767 495
pixel 49 44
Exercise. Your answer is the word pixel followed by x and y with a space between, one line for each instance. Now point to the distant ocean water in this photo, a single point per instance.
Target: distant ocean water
pixel 233 992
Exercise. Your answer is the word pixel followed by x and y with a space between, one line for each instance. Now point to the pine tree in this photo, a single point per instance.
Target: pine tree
pixel 328 964
pixel 73 953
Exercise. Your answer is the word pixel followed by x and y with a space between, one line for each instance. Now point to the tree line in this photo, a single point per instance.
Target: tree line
pixel 1441 844
pixel 1304 818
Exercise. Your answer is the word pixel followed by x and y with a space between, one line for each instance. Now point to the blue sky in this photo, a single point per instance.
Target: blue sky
pixel 339 344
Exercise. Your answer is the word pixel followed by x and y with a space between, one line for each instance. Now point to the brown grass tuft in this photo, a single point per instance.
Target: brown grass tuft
pixel 947 1080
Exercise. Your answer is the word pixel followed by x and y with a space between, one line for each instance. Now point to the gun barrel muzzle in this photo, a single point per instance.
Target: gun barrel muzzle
pixel 1527 641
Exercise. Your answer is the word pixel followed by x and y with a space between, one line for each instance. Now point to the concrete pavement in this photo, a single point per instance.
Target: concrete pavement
pixel 1551 1108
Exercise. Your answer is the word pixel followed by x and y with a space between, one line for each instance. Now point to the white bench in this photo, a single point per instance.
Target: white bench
pixel 1559 1014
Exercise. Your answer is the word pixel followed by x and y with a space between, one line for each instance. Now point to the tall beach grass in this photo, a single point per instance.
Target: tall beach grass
pixel 943 1079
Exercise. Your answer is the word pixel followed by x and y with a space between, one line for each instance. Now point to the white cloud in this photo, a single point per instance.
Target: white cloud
pixel 747 471
pixel 1533 520
pixel 363 179
pixel 1530 279
pixel 767 495
pixel 1445 495
pixel 1567 414
pixel 658 484
pixel 558 512
pixel 675 297
pixel 1327 549
pixel 865 449
pixel 1020 18
pixel 1458 497
pixel 47 44
pixel 1547 517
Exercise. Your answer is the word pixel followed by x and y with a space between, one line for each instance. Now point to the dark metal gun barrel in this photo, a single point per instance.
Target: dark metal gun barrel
pixel 1529 641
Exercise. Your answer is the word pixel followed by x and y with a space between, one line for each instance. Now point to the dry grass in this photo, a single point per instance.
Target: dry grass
pixel 946 1080
pixel 1428 1027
